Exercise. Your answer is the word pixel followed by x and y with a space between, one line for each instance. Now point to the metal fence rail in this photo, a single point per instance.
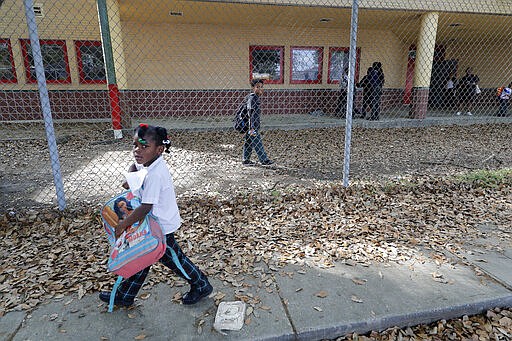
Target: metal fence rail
pixel 186 65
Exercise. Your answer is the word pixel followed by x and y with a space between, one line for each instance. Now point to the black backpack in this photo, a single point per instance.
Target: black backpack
pixel 242 122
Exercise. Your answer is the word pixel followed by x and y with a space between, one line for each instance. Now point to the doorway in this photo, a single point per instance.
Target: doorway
pixel 442 71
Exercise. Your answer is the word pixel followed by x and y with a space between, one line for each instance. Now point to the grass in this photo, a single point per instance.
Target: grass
pixel 488 178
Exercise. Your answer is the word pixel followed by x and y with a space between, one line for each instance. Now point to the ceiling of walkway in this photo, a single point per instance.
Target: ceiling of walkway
pixel 452 27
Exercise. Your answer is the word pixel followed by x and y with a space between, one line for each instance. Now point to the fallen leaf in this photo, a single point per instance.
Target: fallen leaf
pixel 322 294
pixel 359 281
pixel 356 299
pixel 81 292
pixel 506 322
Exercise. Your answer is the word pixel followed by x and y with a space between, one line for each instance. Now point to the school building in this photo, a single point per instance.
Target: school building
pixel 196 58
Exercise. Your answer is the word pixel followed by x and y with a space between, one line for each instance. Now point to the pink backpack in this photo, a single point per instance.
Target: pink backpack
pixel 140 246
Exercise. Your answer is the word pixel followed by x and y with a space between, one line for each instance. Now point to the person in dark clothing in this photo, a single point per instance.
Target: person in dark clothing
pixel 376 78
pixel 341 106
pixel 252 139
pixel 450 93
pixel 364 83
pixel 504 98
pixel 467 91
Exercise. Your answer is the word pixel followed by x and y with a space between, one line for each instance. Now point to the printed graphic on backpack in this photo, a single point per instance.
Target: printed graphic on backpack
pixel 140 246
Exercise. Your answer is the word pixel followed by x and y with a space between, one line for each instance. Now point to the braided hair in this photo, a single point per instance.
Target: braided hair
pixel 156 134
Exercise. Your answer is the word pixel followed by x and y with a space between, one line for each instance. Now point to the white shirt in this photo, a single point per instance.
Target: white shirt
pixel 506 93
pixel 158 189
pixel 344 81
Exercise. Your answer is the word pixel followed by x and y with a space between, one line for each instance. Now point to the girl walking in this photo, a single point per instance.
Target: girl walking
pixel 157 196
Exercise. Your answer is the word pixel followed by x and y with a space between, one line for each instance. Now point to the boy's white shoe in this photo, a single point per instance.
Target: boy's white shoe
pixel 469 113
pixel 458 113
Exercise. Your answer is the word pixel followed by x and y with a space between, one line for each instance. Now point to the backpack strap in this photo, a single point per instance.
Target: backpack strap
pixel 113 294
pixel 177 262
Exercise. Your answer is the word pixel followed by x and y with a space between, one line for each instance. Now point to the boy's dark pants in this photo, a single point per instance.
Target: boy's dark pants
pixel 129 287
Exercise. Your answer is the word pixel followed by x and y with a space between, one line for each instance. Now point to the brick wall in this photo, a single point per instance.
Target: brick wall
pixel 24 105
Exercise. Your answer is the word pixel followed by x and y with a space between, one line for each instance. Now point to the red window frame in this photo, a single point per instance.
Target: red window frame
pixel 82 77
pixel 14 78
pixel 25 43
pixel 252 48
pixel 318 79
pixel 344 49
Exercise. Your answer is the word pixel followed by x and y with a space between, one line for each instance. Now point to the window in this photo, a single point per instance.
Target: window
pixel 91 68
pixel 267 62
pixel 306 65
pixel 338 60
pixel 55 61
pixel 7 70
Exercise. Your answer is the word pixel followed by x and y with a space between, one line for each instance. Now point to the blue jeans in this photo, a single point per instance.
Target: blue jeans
pixel 254 142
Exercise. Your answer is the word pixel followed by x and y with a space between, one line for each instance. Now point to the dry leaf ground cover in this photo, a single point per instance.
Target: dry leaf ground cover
pixel 493 325
pixel 415 193
pixel 49 254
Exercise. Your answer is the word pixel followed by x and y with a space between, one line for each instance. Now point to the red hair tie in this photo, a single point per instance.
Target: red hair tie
pixel 143 125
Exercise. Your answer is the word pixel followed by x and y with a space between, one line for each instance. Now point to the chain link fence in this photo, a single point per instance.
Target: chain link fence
pixel 422 71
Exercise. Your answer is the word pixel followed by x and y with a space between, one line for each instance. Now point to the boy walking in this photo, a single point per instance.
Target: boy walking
pixel 252 139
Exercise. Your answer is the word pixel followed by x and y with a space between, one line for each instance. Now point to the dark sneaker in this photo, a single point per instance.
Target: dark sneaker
pixel 105 297
pixel 194 295
pixel 267 162
pixel 247 162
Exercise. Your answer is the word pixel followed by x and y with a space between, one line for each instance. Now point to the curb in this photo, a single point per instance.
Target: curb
pixel 422 317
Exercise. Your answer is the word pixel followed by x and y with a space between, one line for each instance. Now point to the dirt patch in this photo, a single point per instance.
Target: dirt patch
pixel 92 163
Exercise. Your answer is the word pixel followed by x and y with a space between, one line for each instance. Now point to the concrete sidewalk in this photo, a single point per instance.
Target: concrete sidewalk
pixel 292 303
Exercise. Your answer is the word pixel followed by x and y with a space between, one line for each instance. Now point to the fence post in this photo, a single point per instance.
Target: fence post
pixel 350 90
pixel 45 102
pixel 113 90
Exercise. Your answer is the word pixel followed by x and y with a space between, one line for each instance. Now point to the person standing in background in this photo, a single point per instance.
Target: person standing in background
pixel 504 98
pixel 376 78
pixel 341 107
pixel 450 94
pixel 466 92
pixel 364 83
